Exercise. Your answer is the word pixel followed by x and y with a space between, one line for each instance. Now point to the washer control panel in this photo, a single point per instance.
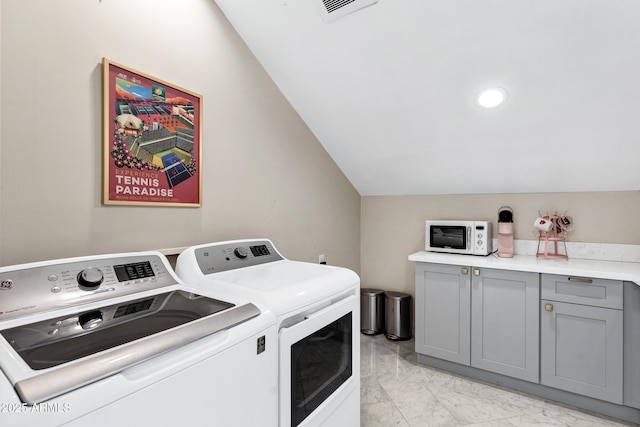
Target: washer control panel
pixel 40 287
pixel 231 255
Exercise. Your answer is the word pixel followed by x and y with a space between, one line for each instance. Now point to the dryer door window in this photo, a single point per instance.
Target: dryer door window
pixel 320 364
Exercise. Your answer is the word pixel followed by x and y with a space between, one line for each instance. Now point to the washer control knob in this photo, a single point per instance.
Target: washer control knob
pixel 90 320
pixel 240 253
pixel 90 277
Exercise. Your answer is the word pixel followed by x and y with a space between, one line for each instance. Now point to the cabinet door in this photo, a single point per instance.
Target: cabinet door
pixel 504 322
pixel 582 349
pixel 443 303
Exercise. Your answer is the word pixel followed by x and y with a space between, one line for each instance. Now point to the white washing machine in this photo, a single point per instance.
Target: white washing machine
pixel 117 340
pixel 318 315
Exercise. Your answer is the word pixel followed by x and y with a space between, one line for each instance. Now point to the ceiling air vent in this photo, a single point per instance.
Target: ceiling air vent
pixel 334 9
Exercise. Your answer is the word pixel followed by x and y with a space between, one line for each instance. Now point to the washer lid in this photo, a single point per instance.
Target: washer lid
pixel 53 342
pixel 129 333
pixel 282 286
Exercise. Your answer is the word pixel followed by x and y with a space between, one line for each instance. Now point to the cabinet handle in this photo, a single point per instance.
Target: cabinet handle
pixel 580 279
pixel 476 272
pixel 548 307
pixel 464 270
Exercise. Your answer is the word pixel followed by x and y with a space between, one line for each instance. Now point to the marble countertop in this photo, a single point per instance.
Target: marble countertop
pixel 616 270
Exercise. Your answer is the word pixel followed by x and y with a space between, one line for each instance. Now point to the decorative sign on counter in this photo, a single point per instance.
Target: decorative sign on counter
pixel 151 140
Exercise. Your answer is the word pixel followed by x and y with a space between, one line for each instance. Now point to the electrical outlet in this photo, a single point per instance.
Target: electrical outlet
pixel 321 259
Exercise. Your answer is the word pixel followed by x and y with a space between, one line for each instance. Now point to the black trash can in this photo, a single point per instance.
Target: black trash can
pixel 371 311
pixel 397 315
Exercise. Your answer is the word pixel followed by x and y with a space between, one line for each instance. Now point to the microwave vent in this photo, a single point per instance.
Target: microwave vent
pixel 330 10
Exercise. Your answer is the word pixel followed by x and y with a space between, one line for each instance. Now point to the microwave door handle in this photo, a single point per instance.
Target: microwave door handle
pixel 468 237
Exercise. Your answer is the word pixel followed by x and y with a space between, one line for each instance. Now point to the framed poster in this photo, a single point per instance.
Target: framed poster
pixel 152 146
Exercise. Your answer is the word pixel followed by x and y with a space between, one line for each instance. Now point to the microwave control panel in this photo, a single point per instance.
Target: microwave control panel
pixel 482 238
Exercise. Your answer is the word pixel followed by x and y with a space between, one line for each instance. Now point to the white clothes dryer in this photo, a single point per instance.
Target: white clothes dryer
pixel 120 340
pixel 318 314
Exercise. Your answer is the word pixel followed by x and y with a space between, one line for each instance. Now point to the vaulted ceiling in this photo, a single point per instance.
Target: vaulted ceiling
pixel 389 90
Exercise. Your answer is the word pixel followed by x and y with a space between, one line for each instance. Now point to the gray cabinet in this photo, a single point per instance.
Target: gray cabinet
pixel 582 336
pixel 484 318
pixel 631 340
pixel 504 322
pixel 442 311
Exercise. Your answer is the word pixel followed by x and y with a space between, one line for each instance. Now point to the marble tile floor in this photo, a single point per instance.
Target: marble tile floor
pixel 398 391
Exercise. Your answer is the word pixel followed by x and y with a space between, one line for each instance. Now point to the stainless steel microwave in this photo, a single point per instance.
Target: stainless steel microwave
pixel 459 237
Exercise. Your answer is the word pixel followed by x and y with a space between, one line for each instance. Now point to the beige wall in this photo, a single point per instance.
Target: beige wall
pixel 393 227
pixel 264 173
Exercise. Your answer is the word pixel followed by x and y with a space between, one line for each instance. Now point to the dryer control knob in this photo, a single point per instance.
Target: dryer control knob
pixel 90 320
pixel 240 253
pixel 90 277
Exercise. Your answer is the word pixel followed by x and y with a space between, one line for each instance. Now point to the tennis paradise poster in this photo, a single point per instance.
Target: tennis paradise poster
pixel 151 142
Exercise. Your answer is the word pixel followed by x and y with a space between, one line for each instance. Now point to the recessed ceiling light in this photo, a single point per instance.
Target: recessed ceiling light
pixel 491 97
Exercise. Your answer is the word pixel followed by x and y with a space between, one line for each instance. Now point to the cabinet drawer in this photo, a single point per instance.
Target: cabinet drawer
pixel 582 290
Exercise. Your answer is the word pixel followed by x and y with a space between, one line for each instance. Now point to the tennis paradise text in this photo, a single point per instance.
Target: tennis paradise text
pixel 140 186
pixel 6 408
